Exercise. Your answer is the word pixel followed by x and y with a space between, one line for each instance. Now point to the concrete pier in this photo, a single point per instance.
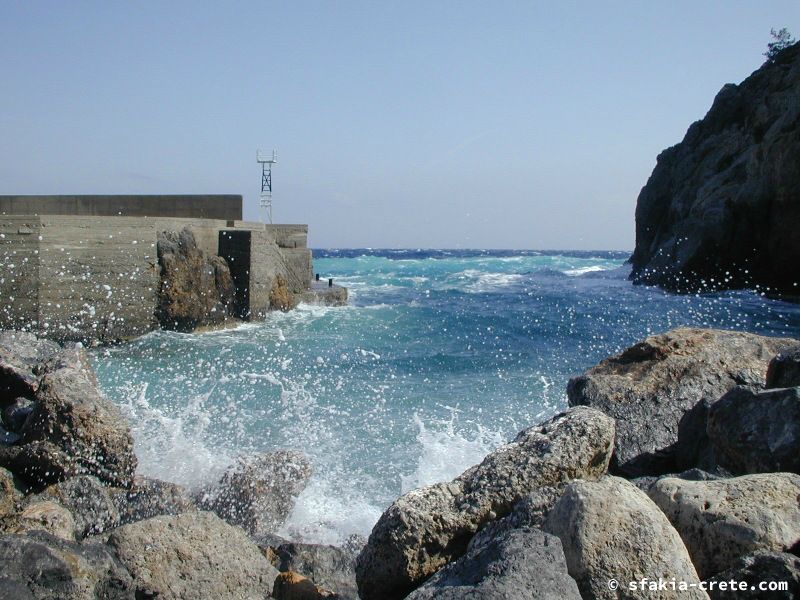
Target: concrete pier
pixel 97 278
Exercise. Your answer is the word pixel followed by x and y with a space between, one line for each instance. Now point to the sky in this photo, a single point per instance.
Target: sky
pixel 519 125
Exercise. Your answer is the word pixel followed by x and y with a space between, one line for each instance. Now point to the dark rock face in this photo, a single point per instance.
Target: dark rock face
pixel 757 568
pixel 784 369
pixel 195 289
pixel 522 564
pixel 41 566
pixel 430 527
pixel 258 492
pixel 650 386
pixel 721 209
pixel 72 430
pixel 757 432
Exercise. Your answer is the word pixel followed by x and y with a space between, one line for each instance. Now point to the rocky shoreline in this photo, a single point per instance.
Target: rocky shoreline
pixel 676 459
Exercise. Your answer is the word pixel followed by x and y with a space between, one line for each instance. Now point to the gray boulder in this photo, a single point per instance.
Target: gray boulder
pixel 784 369
pixel 40 566
pixel 73 429
pixel 650 386
pixel 192 555
pixel 519 564
pixel 10 494
pixel 755 570
pixel 148 498
pixel 87 500
pixel 611 530
pixel 756 432
pixel 429 527
pixel 258 492
pixel 722 208
pixel 329 567
pixel 721 521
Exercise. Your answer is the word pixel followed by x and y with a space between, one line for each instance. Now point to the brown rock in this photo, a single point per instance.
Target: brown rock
pixel 281 297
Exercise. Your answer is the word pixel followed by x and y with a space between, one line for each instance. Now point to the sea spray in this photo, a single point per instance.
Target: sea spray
pixel 440 357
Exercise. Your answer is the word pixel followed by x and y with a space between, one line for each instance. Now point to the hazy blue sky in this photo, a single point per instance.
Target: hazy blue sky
pixel 398 124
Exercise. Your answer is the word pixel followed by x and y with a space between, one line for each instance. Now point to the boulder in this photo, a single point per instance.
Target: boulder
pixel 10 494
pixel 258 492
pixel 192 555
pixel 722 208
pixel 87 500
pixel 293 586
pixel 519 564
pixel 281 297
pixel 329 567
pixel 148 498
pixel 756 432
pixel 72 430
pixel 723 520
pixel 755 570
pixel 20 355
pixel 650 386
pixel 189 295
pixel 16 413
pixel 41 566
pixel 610 529
pixel 784 369
pixel 41 515
pixel 429 527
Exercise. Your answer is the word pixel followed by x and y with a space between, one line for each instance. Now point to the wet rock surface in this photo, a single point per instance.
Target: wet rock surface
pixel 258 491
pixel 329 567
pixel 784 369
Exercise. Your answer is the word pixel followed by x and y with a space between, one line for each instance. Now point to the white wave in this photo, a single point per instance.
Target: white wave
pixel 480 281
pixel 583 270
pixel 446 453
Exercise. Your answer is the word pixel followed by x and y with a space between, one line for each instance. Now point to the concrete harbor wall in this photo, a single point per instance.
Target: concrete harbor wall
pixel 97 278
pixel 226 207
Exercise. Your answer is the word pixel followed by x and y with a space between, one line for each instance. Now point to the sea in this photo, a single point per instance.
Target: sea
pixel 439 357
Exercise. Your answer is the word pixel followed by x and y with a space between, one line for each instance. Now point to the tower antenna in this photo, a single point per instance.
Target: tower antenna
pixel 266 163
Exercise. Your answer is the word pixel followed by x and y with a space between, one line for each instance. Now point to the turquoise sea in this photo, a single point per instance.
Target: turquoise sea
pixel 439 357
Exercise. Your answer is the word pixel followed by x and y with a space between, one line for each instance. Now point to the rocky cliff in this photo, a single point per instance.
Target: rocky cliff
pixel 721 209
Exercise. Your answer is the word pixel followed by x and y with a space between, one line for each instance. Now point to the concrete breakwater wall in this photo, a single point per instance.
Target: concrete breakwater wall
pixel 97 278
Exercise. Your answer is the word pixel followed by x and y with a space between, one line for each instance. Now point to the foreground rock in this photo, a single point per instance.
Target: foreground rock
pixel 784 369
pixel 755 570
pixel 195 289
pixel 722 208
pixel 189 556
pixel 73 429
pixel 610 529
pixel 329 567
pixel 650 386
pixel 721 521
pixel 148 498
pixel 40 566
pixel 521 564
pixel 429 527
pixel 87 500
pixel 258 492
pixel 756 432
pixel 21 353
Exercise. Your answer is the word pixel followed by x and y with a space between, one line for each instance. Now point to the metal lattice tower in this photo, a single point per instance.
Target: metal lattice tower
pixel 266 163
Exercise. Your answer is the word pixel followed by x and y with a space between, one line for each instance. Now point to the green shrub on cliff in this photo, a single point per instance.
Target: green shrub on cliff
pixel 781 40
